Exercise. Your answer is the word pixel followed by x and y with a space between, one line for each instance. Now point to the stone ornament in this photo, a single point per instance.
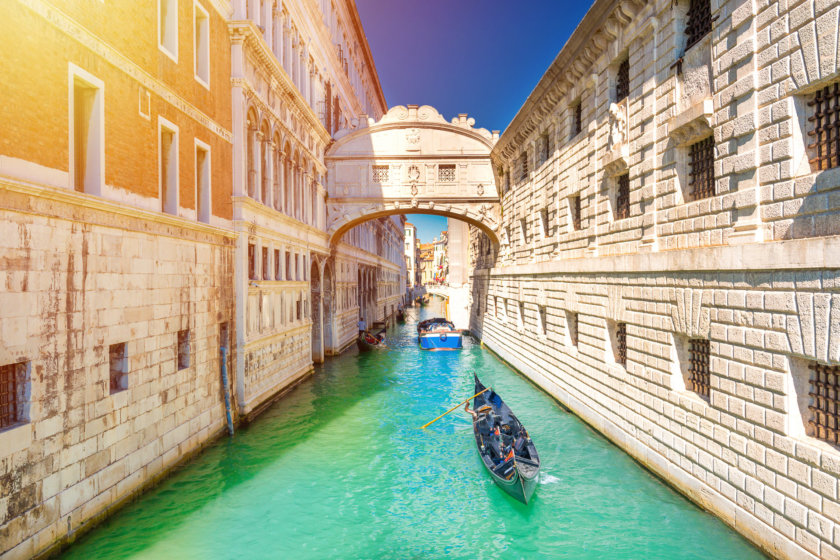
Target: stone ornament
pixel 618 125
pixel 413 170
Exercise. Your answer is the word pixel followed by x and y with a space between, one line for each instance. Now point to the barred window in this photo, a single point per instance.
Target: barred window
pixel 523 166
pixel 699 21
pixel 622 80
pixel 622 197
pixel 184 349
pixel 118 367
pixel 621 344
pixel 825 402
pixel 702 162
pixel 577 122
pixel 574 209
pixel 12 394
pixel 544 147
pixel 380 173
pixel 825 134
pixel 446 173
pixel 699 376
pixel 572 327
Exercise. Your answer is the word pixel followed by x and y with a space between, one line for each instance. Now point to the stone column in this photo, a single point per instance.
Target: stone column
pixel 287 45
pixel 253 157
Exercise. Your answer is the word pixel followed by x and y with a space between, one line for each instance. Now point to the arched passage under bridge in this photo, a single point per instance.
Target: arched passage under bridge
pixel 412 161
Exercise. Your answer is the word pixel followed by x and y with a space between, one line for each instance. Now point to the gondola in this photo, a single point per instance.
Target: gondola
pixel 368 341
pixel 400 316
pixel 517 473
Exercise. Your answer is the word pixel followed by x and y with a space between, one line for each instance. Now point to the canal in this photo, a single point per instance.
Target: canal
pixel 340 469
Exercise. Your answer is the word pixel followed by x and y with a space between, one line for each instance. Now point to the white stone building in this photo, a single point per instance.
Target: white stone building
pixel 669 260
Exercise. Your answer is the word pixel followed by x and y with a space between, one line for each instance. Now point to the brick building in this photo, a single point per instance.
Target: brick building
pixel 669 257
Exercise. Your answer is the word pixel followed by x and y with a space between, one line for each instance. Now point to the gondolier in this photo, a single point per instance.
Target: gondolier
pixel 362 324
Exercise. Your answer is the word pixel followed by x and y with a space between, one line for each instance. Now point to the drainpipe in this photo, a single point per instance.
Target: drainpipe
pixel 226 387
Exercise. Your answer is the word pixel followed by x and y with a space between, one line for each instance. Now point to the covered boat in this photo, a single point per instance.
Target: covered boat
pixel 368 341
pixel 505 447
pixel 439 334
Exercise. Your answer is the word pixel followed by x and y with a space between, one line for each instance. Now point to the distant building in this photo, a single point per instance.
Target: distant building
pixel 411 255
pixel 440 264
pixel 427 261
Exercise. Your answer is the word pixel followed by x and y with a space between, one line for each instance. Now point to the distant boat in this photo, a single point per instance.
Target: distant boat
pixel 504 445
pixel 400 316
pixel 439 334
pixel 368 341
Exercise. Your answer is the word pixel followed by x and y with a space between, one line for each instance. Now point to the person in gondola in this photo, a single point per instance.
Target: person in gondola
pixel 362 324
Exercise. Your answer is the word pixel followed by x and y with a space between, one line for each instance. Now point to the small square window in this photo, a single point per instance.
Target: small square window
pixel 118 367
pixel 184 349
pixel 446 173
pixel 702 162
pixel 380 173
pixel 699 371
pixel 14 394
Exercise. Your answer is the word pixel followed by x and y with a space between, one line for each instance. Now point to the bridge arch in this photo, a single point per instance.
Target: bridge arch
pixel 412 161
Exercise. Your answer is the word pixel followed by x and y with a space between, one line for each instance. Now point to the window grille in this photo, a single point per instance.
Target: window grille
pixel 9 395
pixel 578 119
pixel 523 166
pixel 621 344
pixel 699 21
pixel 622 198
pixel 826 132
pixel 118 367
pixel 698 367
pixel 574 207
pixel 702 161
pixel 543 148
pixel 622 82
pixel 183 349
pixel 380 173
pixel 825 396
pixel 446 173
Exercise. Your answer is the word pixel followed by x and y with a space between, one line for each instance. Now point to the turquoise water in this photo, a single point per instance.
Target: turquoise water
pixel 339 469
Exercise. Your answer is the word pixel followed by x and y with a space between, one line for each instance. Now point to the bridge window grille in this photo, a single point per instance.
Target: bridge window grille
pixel 11 405
pixel 825 399
pixel 702 162
pixel 622 197
pixel 699 21
pixel 699 376
pixel 622 81
pixel 577 118
pixel 380 173
pixel 446 173
pixel 621 344
pixel 826 131
pixel 574 208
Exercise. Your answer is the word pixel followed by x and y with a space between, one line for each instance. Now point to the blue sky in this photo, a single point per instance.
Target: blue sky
pixel 481 57
pixel 428 226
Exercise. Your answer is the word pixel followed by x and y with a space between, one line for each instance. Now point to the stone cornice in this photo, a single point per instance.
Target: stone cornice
pixel 598 28
pixel 273 215
pixel 796 254
pixel 246 33
pixel 174 225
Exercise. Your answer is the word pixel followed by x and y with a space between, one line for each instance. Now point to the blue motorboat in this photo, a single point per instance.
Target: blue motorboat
pixel 439 334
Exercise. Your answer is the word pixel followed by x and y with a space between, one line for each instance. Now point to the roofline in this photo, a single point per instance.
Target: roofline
pixel 577 40
pixel 354 12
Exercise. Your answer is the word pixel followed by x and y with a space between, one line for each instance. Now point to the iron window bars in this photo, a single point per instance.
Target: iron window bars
pixel 699 21
pixel 699 375
pixel 826 132
pixel 825 395
pixel 622 83
pixel 621 344
pixel 702 176
pixel 9 395
pixel 575 209
pixel 622 198
pixel 578 118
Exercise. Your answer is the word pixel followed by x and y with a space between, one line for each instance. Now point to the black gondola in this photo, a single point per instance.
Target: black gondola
pixel 368 341
pixel 504 445
pixel 400 316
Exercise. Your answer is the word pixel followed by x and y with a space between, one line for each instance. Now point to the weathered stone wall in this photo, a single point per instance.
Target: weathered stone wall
pixel 752 269
pixel 80 275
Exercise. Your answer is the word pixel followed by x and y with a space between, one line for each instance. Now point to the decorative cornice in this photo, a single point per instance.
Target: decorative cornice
pixel 601 25
pixel 246 33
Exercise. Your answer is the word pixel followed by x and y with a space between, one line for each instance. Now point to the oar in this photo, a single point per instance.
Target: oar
pixel 423 427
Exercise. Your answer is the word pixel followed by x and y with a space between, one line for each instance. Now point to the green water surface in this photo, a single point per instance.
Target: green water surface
pixel 339 469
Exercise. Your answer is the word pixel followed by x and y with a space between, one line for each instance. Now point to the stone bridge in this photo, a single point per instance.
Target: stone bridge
pixel 412 161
